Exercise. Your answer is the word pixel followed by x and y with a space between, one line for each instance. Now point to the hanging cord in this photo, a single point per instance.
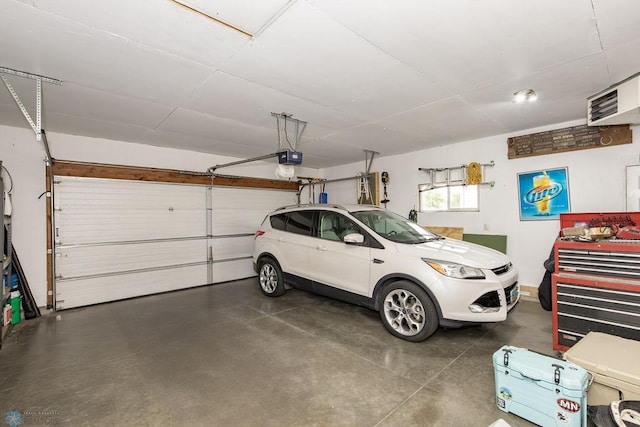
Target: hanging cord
pixel 286 137
pixel 10 179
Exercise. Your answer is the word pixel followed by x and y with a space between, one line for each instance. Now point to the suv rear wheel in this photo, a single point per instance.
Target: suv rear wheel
pixel 270 278
pixel 407 311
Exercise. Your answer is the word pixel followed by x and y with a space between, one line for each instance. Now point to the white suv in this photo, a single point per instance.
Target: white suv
pixel 372 257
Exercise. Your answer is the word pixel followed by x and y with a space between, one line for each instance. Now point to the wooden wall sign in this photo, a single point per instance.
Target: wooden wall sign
pixel 568 139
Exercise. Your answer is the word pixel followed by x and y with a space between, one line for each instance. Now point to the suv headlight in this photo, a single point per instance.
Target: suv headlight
pixel 454 270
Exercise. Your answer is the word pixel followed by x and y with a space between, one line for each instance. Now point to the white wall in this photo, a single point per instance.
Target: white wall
pixel 596 181
pixel 24 156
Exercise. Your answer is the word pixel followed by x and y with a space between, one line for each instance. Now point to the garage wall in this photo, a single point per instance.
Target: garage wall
pixel 596 179
pixel 24 156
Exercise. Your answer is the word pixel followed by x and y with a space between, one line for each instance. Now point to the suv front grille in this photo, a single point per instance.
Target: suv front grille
pixel 504 269
pixel 489 300
pixel 492 299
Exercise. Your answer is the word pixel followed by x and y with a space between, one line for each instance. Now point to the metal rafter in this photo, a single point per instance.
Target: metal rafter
pixel 368 161
pixel 37 125
pixel 298 129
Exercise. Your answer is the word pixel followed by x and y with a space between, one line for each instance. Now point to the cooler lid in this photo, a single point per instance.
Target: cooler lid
pixel 607 355
pixel 541 367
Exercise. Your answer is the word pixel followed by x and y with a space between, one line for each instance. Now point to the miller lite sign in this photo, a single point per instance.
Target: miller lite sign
pixel 543 194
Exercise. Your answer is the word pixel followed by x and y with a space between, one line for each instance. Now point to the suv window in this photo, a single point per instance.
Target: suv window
pixel 334 226
pixel 394 227
pixel 278 221
pixel 300 222
pixel 328 226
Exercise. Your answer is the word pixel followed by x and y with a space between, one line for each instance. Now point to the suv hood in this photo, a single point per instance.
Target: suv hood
pixel 457 251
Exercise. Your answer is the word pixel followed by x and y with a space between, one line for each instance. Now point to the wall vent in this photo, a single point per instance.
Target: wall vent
pixel 618 105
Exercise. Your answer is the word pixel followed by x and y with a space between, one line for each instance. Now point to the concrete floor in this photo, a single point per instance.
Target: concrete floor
pixel 227 355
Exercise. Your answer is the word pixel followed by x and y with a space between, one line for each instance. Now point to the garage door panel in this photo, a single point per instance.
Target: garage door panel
pixel 105 193
pixel 232 247
pixel 96 260
pixel 232 270
pixel 76 293
pixel 241 210
pixel 117 226
pixel 99 210
pixel 238 212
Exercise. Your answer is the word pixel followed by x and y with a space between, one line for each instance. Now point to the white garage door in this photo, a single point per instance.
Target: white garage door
pixel 119 239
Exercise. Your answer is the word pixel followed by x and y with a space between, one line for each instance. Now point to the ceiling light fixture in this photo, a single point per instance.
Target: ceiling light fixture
pixel 206 15
pixel 525 95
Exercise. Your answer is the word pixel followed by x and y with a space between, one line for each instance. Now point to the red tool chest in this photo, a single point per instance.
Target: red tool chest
pixel 596 285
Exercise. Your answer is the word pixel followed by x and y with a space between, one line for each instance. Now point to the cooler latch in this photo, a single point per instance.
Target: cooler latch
pixel 556 374
pixel 506 356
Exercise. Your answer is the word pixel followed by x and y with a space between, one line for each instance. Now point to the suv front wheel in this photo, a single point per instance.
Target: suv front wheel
pixel 407 311
pixel 270 278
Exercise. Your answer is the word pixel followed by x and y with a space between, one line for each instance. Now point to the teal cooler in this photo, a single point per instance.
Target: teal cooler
pixel 539 388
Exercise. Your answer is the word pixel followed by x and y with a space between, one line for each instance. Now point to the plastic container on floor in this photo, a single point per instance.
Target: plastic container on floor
pixel 539 388
pixel 16 299
pixel 613 362
pixel 6 314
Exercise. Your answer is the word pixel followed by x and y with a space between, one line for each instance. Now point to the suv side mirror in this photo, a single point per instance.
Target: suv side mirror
pixel 354 239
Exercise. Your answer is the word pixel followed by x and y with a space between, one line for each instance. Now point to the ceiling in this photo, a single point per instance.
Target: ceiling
pixel 382 75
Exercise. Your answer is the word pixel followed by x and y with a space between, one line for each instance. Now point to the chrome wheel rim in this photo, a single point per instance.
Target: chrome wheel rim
pixel 404 312
pixel 268 278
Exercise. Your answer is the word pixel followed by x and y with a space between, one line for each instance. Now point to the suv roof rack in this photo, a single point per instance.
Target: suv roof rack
pixel 312 205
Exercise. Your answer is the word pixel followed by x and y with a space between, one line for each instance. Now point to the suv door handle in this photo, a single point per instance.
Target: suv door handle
pixel 322 248
pixel 377 261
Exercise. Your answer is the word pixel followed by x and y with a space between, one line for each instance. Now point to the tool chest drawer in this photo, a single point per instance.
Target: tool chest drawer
pixel 584 303
pixel 612 258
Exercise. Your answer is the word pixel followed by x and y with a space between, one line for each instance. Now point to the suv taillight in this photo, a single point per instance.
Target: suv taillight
pixel 258 234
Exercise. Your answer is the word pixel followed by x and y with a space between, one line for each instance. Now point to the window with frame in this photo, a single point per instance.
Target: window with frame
pixel 279 221
pixel 300 222
pixel 452 198
pixel 328 228
pixel 334 226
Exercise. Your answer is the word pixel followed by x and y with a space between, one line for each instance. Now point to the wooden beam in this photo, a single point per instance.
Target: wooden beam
pixel 133 173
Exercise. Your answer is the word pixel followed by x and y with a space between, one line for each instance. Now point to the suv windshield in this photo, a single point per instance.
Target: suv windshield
pixel 394 227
